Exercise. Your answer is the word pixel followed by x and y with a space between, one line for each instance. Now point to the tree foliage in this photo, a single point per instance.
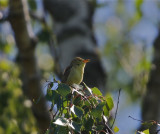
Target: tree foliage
pixel 78 109
pixel 16 115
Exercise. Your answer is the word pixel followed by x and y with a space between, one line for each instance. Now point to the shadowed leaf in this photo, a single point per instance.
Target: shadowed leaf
pixel 63 89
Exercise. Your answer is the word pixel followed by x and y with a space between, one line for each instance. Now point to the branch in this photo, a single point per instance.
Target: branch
pixel 153 122
pixel 26 43
pixel 136 119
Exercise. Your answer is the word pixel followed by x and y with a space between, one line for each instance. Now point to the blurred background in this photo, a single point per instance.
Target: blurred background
pixel 39 38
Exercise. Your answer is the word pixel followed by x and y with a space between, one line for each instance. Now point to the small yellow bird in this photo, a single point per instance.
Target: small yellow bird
pixel 73 74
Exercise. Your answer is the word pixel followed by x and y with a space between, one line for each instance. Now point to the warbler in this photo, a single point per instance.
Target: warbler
pixel 73 74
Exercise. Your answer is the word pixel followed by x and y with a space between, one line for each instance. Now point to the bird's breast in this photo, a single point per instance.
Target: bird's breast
pixel 75 76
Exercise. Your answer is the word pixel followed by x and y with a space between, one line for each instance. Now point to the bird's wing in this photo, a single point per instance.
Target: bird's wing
pixel 66 74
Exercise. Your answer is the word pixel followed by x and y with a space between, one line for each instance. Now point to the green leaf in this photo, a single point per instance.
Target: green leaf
pixel 105 110
pixel 99 127
pixel 77 101
pixel 88 123
pixel 108 106
pixel 47 132
pixel 52 95
pixel 86 109
pixel 97 112
pixel 61 130
pixel 61 121
pixel 116 129
pixel 87 103
pixel 63 89
pixel 65 104
pixel 147 124
pixel 146 131
pixel 75 126
pixel 96 91
pixel 93 101
pixel 59 102
pixel 77 111
pixel 65 111
pixel 110 103
pixel 4 3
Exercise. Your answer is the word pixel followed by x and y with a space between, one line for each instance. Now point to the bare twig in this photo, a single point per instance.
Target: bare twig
pixel 116 108
pixel 136 119
pixel 151 121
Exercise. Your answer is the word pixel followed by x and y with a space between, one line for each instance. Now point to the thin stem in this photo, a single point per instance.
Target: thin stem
pixel 116 108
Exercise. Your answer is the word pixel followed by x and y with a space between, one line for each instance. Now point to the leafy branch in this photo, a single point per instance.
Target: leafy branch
pixel 148 123
pixel 79 109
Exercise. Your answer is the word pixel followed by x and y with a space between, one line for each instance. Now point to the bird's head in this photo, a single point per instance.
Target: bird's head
pixel 79 61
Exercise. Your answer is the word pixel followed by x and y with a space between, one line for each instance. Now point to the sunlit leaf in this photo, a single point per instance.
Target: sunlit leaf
pixel 116 129
pixel 65 104
pixel 105 110
pixel 5 65
pixel 96 91
pixel 7 48
pixel 146 131
pixel 3 3
pixel 110 103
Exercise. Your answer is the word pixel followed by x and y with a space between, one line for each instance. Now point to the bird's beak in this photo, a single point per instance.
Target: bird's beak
pixel 87 60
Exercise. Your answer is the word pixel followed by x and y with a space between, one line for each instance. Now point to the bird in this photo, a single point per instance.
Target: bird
pixel 73 74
